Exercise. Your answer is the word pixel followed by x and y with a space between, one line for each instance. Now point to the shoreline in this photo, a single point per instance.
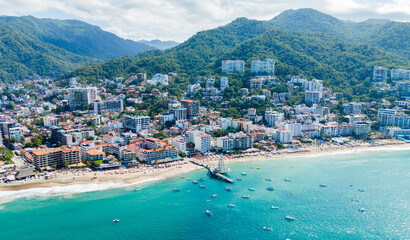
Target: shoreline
pixel 97 181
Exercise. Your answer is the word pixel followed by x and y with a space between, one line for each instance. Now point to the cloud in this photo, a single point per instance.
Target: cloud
pixel 179 19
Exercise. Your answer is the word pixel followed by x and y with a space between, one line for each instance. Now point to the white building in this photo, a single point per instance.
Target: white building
pixel 389 117
pixel 233 66
pixel 379 73
pixel 159 79
pixel 295 127
pixel 312 97
pixel 361 128
pixel 256 83
pixel 51 121
pixel 15 133
pixel 108 106
pixel 352 108
pixel 202 142
pixel 400 74
pixel 314 85
pixel 224 82
pixel 266 66
pixel 284 136
pixel 273 117
pixel 79 97
pixel 136 123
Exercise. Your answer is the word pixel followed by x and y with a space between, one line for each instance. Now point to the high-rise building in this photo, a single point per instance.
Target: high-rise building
pixel 79 97
pixel 352 108
pixel 191 106
pixel 256 83
pixel 108 106
pixel 266 66
pixel 202 142
pixel 400 74
pixel 224 82
pixel 379 73
pixel 389 117
pixel 57 156
pixel 284 136
pixel 233 66
pixel 312 97
pixel 136 123
pixel 273 117
pixel 361 128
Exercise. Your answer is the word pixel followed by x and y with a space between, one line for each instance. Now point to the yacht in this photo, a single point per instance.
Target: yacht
pixel 239 179
pixel 360 190
pixel 290 218
pixel 209 213
pixel 228 189
pixel 268 179
pixel 288 180
pixel 274 207
pixel 202 186
pixel 251 189
pixel 244 173
pixel 362 210
pixel 267 229
pixel 245 196
pixel 177 189
pixel 214 196
pixel 201 179
pixel 323 185
pixel 115 220
pixel 231 205
pixel 194 182
pixel 270 188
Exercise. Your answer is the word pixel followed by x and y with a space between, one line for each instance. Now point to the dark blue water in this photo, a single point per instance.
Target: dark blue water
pixel 156 212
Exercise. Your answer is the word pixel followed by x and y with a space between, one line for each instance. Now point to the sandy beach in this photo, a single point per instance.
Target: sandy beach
pixel 123 177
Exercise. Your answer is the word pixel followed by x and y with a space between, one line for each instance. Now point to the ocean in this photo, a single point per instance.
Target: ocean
pixel 377 181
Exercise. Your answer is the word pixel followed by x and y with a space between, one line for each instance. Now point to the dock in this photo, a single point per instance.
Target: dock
pixel 214 173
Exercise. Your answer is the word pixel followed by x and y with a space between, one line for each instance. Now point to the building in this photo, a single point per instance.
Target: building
pixel 79 97
pixel 314 85
pixel 159 79
pixel 51 121
pixel 233 66
pixel 389 117
pixel 136 123
pixel 295 127
pixel 56 156
pixel 400 74
pixel 284 136
pixel 15 133
pixel 379 74
pixel 224 82
pixel 70 137
pixel 403 87
pixel 265 67
pixel 152 149
pixel 94 155
pixel 352 108
pixel 361 128
pixel 273 117
pixel 312 97
pixel 191 106
pixel 108 106
pixel 202 142
pixel 166 117
pixel 256 83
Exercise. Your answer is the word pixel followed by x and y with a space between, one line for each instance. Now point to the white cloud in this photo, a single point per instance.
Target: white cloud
pixel 179 19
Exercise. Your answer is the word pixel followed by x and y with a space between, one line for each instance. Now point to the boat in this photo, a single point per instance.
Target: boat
pixel 201 179
pixel 246 196
pixel 182 177
pixel 115 220
pixel 351 185
pixel 323 185
pixel 270 188
pixel 274 207
pixel 251 167
pixel 188 179
pixel 244 173
pixel 177 189
pixel 268 179
pixel 202 186
pixel 288 180
pixel 209 213
pixel 267 229
pixel 290 218
pixel 194 182
pixel 251 189
pixel 214 196
pixel 355 200
pixel 239 179
pixel 228 189
pixel 258 168
pixel 362 210
pixel 360 190
pixel 231 205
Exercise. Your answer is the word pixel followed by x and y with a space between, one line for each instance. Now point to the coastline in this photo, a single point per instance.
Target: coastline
pixel 71 183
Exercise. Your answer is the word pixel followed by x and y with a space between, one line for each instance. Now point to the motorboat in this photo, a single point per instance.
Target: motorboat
pixel 177 189
pixel 209 213
pixel 115 220
pixel 194 182
pixel 268 179
pixel 290 218
pixel 239 179
pixel 267 229
pixel 202 186
pixel 244 173
pixel 182 177
pixel 355 200
pixel 360 190
pixel 251 189
pixel 274 207
pixel 201 179
pixel 270 188
pixel 188 179
pixel 323 185
pixel 245 196
pixel 288 180
pixel 214 196
pixel 231 205
pixel 362 210
pixel 258 168
pixel 228 189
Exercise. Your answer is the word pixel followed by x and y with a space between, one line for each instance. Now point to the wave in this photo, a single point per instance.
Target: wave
pixel 7 196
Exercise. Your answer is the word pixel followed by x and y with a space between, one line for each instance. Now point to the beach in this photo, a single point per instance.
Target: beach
pixel 86 180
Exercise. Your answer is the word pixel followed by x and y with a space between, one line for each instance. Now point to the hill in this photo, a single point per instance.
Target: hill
pixel 162 45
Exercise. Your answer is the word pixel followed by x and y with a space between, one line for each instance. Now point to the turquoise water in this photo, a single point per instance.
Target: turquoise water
pixel 154 211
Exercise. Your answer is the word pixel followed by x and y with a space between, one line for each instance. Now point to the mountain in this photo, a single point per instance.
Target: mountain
pixel 162 45
pixel 46 47
pixel 385 34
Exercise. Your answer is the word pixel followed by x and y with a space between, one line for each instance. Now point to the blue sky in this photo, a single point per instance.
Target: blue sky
pixel 180 19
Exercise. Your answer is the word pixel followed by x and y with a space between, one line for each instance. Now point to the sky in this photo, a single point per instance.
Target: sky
pixel 180 19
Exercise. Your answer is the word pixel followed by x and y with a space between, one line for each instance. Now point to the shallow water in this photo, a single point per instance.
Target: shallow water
pixel 154 211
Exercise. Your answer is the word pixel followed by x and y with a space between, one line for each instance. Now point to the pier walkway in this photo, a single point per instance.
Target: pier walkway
pixel 214 173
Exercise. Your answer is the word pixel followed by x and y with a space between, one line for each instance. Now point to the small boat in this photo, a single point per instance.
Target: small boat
pixel 177 189
pixel 194 182
pixel 201 179
pixel 231 205
pixel 244 173
pixel 351 185
pixel 228 189
pixel 360 190
pixel 274 207
pixel 288 180
pixel 214 196
pixel 115 220
pixel 182 177
pixel 268 179
pixel 270 188
pixel 239 179
pixel 246 196
pixel 323 185
pixel 267 229
pixel 251 167
pixel 258 168
pixel 251 189
pixel 202 186
pixel 209 213
pixel 355 200
pixel 188 179
pixel 290 218
pixel 208 200
pixel 362 210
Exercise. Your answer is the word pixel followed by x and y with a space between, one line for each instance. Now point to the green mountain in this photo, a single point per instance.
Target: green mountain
pixel 162 45
pixel 385 34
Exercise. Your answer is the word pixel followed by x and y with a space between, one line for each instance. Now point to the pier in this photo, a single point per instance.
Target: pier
pixel 214 172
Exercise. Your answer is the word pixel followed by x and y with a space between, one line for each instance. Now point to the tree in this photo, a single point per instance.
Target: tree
pixel 13 140
pixel 182 154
